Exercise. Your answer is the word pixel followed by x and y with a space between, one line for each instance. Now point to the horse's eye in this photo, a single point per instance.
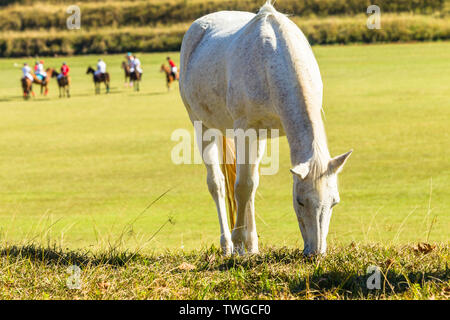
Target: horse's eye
pixel 300 203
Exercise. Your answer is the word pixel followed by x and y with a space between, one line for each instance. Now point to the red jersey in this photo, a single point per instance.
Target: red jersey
pixel 172 64
pixel 65 70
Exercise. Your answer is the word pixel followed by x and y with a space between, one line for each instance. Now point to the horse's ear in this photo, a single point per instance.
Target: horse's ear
pixel 336 164
pixel 301 170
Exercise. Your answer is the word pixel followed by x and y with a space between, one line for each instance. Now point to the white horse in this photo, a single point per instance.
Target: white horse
pixel 245 71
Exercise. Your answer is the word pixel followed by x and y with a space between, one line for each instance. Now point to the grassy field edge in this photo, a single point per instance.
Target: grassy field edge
pixel 410 271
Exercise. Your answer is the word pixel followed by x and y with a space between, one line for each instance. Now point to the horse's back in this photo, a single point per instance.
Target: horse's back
pixel 236 67
pixel 203 67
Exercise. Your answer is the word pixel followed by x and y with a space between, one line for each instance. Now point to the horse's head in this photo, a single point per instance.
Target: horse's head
pixel 315 193
pixel 90 70
pixel 52 72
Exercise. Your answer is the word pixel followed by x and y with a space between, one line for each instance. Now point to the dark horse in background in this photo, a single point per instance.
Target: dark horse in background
pixel 98 79
pixel 126 69
pixel 63 84
pixel 135 76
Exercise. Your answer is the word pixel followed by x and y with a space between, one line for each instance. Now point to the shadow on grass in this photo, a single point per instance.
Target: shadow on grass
pixel 276 270
pixel 324 277
pixel 354 285
pixel 58 256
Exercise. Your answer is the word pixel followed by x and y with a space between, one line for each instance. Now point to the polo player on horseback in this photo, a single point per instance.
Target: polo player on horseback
pixel 64 71
pixel 27 81
pixel 173 68
pixel 136 66
pixel 101 69
pixel 39 71
pixel 26 70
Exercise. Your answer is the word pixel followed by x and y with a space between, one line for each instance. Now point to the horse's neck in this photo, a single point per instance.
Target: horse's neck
pixel 305 132
pixel 299 94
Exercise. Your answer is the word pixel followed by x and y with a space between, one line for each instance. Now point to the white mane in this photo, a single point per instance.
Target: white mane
pixel 321 156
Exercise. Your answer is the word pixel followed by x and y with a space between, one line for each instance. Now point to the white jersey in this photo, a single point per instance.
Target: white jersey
pixel 40 70
pixel 137 65
pixel 101 67
pixel 26 71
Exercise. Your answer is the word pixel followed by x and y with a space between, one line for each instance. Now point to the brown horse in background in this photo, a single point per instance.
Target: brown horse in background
pixel 27 87
pixel 44 83
pixel 63 84
pixel 99 79
pixel 170 77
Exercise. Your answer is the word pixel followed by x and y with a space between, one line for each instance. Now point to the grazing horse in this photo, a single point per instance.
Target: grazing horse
pixel 27 87
pixel 169 75
pixel 98 79
pixel 63 84
pixel 243 72
pixel 126 69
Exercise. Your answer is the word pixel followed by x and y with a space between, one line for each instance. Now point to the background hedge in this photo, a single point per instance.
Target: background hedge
pixel 30 28
pixel 144 13
pixel 318 30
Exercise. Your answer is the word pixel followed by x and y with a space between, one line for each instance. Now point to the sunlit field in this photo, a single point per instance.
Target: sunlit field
pixel 82 172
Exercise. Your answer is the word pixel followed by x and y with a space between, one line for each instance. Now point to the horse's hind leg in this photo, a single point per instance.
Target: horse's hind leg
pixel 249 152
pixel 216 183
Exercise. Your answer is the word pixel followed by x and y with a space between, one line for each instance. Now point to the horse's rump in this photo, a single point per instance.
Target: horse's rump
pixel 135 76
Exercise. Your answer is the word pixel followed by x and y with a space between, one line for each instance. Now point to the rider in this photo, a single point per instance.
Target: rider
pixel 26 70
pixel 129 58
pixel 136 65
pixel 64 71
pixel 101 68
pixel 39 71
pixel 173 67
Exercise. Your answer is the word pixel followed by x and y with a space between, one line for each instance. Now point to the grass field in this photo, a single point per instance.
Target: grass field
pixel 406 272
pixel 78 172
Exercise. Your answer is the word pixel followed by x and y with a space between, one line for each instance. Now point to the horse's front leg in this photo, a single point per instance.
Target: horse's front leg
pixel 249 152
pixel 216 184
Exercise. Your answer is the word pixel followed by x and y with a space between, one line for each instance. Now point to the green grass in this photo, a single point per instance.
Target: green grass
pixel 78 171
pixel 34 272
